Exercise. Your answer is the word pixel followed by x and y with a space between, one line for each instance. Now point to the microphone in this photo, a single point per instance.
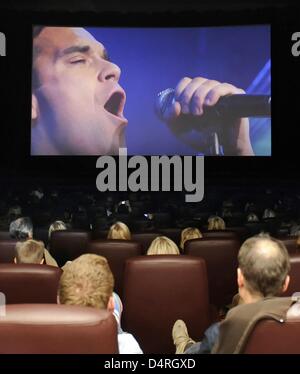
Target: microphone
pixel 231 106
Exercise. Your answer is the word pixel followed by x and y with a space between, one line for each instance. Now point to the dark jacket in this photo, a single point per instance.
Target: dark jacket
pixel 240 321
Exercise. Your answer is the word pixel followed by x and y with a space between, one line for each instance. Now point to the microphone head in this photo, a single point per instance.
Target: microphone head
pixel 163 100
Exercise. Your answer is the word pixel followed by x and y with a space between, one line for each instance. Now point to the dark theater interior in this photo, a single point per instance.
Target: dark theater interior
pixel 189 243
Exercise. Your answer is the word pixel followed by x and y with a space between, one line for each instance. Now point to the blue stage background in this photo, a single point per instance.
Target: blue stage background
pixel 152 59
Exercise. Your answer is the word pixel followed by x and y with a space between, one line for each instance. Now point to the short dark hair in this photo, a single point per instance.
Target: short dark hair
pixel 35 51
pixel 265 264
pixel 37 30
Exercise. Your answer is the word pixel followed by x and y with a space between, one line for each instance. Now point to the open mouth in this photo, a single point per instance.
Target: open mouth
pixel 115 104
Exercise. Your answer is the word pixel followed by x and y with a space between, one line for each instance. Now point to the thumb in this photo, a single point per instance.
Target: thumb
pixel 172 111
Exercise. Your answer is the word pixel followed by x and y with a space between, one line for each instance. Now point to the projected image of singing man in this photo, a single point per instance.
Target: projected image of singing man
pixel 78 103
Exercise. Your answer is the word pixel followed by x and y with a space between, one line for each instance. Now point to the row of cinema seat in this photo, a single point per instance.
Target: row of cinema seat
pixel 158 290
pixel 57 329
pixel 68 245
pixel 81 238
pixel 62 329
pixel 220 254
pixel 144 238
pixel 170 287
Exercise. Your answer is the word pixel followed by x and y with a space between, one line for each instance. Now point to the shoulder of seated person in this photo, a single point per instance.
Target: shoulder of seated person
pixel 256 305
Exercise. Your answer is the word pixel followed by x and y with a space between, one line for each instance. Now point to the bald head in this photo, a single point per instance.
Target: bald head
pixel 265 264
pixel 266 247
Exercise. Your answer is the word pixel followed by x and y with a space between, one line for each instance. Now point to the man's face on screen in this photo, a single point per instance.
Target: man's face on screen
pixel 77 108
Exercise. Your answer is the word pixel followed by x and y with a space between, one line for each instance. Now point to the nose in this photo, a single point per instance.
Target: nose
pixel 109 72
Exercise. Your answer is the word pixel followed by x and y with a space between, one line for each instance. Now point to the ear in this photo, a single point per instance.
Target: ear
pixel 286 283
pixel 111 304
pixel 240 278
pixel 34 108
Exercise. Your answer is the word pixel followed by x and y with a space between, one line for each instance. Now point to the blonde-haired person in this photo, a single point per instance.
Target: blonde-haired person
pixel 216 223
pixel 163 246
pixel 88 281
pixel 119 231
pixel 55 226
pixel 22 229
pixel 30 252
pixel 188 234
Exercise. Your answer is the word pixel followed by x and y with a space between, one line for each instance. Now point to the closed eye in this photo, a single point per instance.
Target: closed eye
pixel 78 61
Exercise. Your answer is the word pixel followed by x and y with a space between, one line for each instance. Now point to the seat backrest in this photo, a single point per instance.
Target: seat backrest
pixel 294 285
pixel 116 253
pixel 220 256
pixel 42 234
pixel 158 290
pixel 145 239
pixel 99 234
pixel 172 233
pixel 66 245
pixel 290 242
pixel 29 283
pixel 240 231
pixel 4 235
pixel 220 234
pixel 7 250
pixel 55 329
pixel 272 337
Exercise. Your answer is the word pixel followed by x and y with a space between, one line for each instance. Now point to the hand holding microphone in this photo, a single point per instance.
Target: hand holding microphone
pixel 188 106
pixel 231 106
